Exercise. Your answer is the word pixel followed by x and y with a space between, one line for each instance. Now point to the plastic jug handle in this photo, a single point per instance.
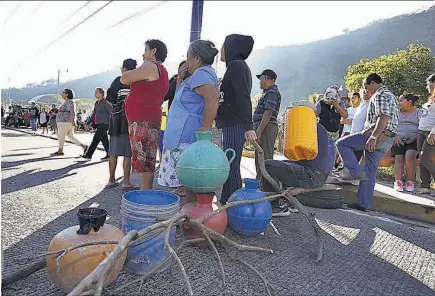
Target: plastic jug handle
pixel 173 150
pixel 233 156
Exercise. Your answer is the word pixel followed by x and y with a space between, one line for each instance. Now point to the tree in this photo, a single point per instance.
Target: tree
pixel 313 97
pixel 404 71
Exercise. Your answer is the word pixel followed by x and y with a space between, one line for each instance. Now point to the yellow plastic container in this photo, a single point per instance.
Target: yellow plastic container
pixel 300 134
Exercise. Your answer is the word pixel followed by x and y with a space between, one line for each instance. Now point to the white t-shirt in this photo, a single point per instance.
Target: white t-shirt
pixel 350 113
pixel 43 117
pixel 359 117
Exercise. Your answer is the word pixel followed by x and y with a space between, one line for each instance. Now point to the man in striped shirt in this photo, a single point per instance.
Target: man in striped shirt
pixel 265 115
pixel 376 139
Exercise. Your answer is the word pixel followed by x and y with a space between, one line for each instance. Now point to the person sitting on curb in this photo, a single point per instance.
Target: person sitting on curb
pixel 376 139
pixel 304 173
pixel 404 149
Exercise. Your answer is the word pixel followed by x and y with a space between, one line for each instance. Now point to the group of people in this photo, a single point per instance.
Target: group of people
pixel 375 125
pixel 131 114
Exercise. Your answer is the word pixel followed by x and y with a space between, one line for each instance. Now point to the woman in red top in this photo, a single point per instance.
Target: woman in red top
pixel 148 86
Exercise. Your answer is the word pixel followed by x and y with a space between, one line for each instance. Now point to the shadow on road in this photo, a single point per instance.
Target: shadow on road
pixel 9 164
pixel 346 269
pixel 33 148
pixel 34 178
pixel 17 154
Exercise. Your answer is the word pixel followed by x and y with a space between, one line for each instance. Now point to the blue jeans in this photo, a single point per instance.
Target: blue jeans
pixel 346 147
pixel 33 123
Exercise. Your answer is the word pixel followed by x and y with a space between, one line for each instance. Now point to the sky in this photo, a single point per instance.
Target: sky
pixel 28 27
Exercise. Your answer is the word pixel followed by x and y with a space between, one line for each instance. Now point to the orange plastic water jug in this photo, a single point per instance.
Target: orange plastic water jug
pixel 300 137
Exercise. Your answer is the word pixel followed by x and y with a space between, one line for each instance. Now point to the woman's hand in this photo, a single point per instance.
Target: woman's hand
pixel 397 141
pixel 431 139
pixel 251 136
pixel 203 128
pixel 182 71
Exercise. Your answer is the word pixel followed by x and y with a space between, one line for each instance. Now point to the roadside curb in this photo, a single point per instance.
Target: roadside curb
pixel 392 206
pixel 44 136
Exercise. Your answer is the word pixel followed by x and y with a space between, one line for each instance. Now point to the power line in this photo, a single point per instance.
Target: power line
pixel 145 10
pixel 12 13
pixel 36 10
pixel 70 30
pixel 74 12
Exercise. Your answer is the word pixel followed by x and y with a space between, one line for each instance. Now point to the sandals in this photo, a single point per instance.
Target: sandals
pixel 111 185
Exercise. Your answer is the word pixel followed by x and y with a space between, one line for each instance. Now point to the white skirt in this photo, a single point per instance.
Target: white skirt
pixel 167 170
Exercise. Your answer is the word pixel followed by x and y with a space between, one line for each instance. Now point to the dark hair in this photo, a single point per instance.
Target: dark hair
pixel 161 50
pixel 69 93
pixel 356 94
pixel 181 64
pixel 345 99
pixel 373 77
pixel 431 78
pixel 411 97
pixel 129 64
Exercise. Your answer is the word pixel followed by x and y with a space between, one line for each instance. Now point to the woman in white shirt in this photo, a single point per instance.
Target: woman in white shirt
pixel 43 120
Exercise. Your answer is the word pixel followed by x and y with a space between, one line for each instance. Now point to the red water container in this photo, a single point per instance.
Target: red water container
pixel 195 210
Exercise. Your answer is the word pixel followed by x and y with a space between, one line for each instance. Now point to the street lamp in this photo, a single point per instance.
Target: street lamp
pixel 58 83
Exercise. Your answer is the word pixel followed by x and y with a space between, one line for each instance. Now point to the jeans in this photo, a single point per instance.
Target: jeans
pixel 33 123
pixel 346 147
pixel 291 174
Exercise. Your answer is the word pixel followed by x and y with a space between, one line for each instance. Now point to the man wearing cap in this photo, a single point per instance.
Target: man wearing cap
pixel 265 115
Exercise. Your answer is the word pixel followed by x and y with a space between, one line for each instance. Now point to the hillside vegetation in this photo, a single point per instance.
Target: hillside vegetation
pixel 302 69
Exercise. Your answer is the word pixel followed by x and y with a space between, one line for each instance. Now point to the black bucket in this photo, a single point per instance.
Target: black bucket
pixel 91 218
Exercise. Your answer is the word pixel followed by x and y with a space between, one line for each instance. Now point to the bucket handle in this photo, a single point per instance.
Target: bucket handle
pixel 174 150
pixel 233 156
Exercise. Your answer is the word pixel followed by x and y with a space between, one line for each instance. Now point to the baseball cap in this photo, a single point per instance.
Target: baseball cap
pixel 269 73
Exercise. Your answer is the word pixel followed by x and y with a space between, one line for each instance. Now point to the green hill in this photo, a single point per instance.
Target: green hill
pixel 301 69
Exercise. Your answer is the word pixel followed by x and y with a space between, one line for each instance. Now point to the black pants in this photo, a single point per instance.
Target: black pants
pixel 291 174
pixel 100 135
pixel 427 161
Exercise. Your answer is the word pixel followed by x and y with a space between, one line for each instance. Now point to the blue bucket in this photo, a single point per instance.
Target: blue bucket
pixel 140 209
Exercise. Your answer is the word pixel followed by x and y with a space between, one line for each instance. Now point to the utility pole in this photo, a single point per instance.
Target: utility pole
pixel 196 23
pixel 58 84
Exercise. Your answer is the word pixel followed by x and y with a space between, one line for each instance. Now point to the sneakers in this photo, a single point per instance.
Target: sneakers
pixel 345 175
pixel 409 186
pixel 398 185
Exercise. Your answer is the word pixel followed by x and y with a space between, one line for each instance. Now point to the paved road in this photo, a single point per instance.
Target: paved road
pixel 364 255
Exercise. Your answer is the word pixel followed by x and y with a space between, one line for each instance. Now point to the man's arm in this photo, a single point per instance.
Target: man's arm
pixel 340 109
pixel 271 101
pixel 381 124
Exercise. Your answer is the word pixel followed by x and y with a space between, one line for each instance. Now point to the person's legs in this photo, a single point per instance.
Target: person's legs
pixel 427 159
pixel 425 175
pixel 233 137
pixel 267 143
pixel 62 131
pixel 366 187
pixel 113 161
pixel 70 135
pixel 346 147
pixel 98 136
pixel 126 165
pixel 105 137
pixel 411 164
pixel 33 122
pixel 399 162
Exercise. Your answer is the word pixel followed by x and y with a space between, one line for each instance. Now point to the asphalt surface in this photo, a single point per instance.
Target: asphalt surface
pixel 364 255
